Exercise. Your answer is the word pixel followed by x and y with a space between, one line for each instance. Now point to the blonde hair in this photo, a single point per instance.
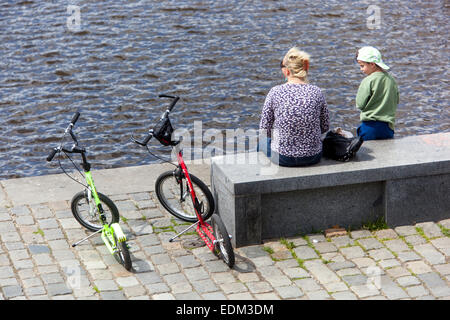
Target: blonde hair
pixel 295 60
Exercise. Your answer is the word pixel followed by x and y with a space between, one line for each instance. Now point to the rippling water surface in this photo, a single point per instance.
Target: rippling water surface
pixel 221 57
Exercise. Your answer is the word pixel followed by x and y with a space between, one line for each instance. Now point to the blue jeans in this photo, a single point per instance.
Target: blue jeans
pixel 374 130
pixel 285 161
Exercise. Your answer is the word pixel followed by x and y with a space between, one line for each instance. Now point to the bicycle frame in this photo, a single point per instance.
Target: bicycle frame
pixel 183 167
pixel 204 230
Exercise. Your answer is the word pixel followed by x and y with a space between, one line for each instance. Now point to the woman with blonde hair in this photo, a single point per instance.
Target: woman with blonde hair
pixel 294 115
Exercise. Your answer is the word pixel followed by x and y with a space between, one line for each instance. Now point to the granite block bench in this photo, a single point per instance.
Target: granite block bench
pixel 403 180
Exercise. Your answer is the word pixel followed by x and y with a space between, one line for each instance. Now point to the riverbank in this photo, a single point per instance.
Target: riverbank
pixel 38 262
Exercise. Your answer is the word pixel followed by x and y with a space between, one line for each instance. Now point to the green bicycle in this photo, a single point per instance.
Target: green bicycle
pixel 92 209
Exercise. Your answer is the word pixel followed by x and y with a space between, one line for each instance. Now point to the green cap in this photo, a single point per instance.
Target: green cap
pixel 371 54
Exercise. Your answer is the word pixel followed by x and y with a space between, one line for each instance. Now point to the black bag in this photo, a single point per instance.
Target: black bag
pixel 340 148
pixel 163 132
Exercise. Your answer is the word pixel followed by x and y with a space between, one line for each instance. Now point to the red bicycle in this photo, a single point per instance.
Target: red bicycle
pixel 175 188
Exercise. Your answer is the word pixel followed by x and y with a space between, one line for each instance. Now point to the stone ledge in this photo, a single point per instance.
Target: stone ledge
pixel 394 179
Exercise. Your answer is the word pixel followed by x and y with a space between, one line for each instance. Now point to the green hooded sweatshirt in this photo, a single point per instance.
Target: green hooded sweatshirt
pixel 377 98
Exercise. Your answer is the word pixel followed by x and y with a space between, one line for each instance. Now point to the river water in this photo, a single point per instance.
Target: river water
pixel 109 60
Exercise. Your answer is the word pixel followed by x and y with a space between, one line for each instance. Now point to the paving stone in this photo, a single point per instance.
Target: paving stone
pixel 406 230
pixel 296 273
pixel 19 254
pixel 355 280
pixel 437 286
pixel 127 281
pixel 341 265
pixel 234 287
pixel 418 267
pixel 321 272
pixel 112 295
pixel 430 229
pixel 198 273
pixel 240 296
pixel 305 253
pixel 139 227
pixel 216 266
pixel 38 249
pixel 364 262
pixel 390 289
pixel 35 291
pixel 417 291
pixel 348 272
pixel 386 234
pixel 415 240
pixel 370 243
pixel 441 243
pixel 325 247
pixel 389 263
pixel 155 288
pixel 336 287
pixel 353 252
pixel 203 286
pixel 187 262
pixel 12 291
pixel 344 295
pixel 289 292
pixel 48 223
pixel 443 269
pixel 342 241
pixel 397 272
pixel 365 290
pixel 318 295
pixel 380 254
pixel 408 281
pixel 213 296
pixel 56 289
pixel 181 288
pixel 445 223
pixel 407 256
pixel 259 287
pixel 396 245
pixel 168 268
pixel 43 259
pixel 279 281
pixel 358 234
pixel 430 254
pixel 223 277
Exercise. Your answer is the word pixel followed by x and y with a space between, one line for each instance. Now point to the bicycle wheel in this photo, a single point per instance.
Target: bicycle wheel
pixel 223 247
pixel 123 254
pixel 86 212
pixel 175 196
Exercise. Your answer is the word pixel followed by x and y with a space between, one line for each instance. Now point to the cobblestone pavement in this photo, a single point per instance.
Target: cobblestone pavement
pixel 38 262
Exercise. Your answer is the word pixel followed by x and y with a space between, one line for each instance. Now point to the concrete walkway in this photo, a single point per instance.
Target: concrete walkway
pixel 38 262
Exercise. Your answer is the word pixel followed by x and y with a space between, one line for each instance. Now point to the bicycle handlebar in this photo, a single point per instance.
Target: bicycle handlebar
pixel 75 118
pixel 164 115
pixel 174 102
pixel 75 148
pixel 52 154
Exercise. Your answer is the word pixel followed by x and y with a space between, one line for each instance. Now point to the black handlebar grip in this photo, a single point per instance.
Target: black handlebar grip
pixel 174 102
pixel 75 118
pixel 147 139
pixel 51 155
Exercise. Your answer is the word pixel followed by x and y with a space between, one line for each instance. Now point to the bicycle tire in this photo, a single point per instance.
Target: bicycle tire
pixel 223 247
pixel 168 192
pixel 123 254
pixel 91 221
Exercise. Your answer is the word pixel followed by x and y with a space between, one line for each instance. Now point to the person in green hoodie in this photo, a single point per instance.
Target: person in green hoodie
pixel 377 97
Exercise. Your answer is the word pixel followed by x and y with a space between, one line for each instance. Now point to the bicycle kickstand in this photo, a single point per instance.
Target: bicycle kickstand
pixel 84 239
pixel 184 231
